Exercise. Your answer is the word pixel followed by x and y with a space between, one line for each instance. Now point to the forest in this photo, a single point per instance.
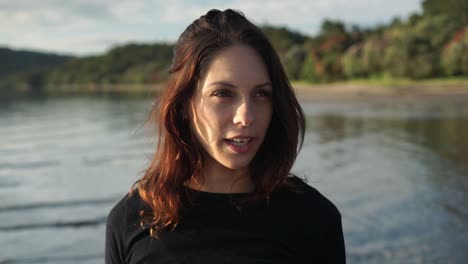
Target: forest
pixel 433 44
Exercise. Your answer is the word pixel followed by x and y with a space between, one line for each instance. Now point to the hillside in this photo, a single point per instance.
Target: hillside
pixel 20 61
pixel 430 45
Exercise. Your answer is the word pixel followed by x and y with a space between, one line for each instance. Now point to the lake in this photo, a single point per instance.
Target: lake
pixel 396 169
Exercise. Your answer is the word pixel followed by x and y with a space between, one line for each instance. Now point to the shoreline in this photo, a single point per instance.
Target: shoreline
pixel 373 92
pixel 338 91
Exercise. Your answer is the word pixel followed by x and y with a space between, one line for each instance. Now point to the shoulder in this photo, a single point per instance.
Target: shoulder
pixel 125 213
pixel 308 220
pixel 302 197
pixel 317 219
pixel 117 224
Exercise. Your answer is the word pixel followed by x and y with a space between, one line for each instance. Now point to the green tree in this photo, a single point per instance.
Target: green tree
pixel 132 63
pixel 293 61
pixel 455 55
pixel 414 51
pixel 22 61
pixel 332 28
pixel 290 46
pixel 372 55
pixel 283 39
pixel 308 71
pixel 457 10
pixel 353 62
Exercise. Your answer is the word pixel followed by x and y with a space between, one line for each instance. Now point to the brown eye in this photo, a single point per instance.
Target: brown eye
pixel 263 93
pixel 222 93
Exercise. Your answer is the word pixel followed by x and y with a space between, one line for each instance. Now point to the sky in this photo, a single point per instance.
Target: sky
pixel 87 27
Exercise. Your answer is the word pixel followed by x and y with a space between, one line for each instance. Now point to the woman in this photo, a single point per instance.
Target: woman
pixel 219 189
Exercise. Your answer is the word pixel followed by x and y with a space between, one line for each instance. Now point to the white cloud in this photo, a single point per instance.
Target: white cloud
pixel 307 16
pixel 60 25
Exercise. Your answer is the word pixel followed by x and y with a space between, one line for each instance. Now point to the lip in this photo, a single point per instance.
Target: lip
pixel 239 149
pixel 241 137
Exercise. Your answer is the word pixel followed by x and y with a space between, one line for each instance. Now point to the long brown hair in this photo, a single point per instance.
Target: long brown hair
pixel 179 155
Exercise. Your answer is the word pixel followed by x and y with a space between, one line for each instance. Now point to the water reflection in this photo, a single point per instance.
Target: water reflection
pixel 396 170
pixel 401 171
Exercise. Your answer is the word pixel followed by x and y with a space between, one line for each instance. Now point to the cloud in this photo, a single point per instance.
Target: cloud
pixel 307 16
pixel 57 24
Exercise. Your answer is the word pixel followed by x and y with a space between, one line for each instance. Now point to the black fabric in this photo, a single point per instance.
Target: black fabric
pixel 293 228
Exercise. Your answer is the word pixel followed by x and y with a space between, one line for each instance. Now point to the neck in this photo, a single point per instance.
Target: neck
pixel 219 179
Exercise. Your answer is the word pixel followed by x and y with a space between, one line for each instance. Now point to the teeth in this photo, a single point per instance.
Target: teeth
pixel 240 140
pixel 239 144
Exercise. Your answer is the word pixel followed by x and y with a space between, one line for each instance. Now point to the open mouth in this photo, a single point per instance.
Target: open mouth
pixel 239 144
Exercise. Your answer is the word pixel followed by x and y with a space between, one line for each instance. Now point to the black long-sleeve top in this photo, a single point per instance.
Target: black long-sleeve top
pixel 294 227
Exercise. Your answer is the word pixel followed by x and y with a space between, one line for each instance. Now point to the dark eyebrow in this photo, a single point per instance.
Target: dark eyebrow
pixel 224 83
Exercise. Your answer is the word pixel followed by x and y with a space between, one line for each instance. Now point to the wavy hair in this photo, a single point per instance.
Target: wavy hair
pixel 179 156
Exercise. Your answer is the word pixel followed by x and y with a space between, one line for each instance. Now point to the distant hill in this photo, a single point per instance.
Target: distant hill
pixel 431 44
pixel 21 61
pixel 128 64
pixel 37 73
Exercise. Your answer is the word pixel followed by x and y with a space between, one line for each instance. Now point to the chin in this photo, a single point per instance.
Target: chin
pixel 239 165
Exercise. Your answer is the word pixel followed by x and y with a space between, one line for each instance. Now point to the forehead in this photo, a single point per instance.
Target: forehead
pixel 239 64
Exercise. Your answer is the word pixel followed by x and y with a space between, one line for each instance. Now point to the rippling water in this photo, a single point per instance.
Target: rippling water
pixel 398 172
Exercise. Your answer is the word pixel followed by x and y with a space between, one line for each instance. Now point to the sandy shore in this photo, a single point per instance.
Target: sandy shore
pixel 305 91
pixel 366 92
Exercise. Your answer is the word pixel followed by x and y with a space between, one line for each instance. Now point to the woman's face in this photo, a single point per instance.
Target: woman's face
pixel 232 107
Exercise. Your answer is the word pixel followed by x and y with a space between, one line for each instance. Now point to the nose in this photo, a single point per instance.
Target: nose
pixel 244 114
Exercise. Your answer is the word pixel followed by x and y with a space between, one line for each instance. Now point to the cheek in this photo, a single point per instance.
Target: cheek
pixel 266 115
pixel 208 123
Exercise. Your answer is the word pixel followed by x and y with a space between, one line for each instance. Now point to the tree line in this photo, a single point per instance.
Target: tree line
pixel 427 45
